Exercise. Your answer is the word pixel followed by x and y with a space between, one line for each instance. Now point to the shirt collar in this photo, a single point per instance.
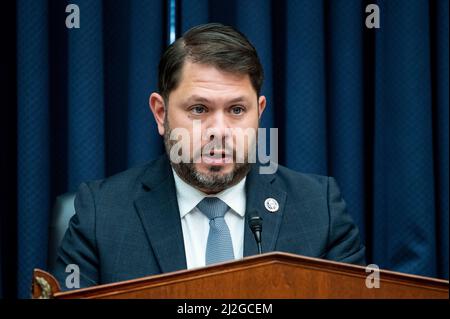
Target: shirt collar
pixel 189 196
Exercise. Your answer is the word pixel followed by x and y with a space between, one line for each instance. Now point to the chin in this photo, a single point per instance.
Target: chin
pixel 215 169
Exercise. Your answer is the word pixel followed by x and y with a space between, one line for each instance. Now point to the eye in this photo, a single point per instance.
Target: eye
pixel 198 109
pixel 237 110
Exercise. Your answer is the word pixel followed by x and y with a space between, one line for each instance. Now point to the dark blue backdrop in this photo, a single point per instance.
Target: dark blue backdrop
pixel 370 107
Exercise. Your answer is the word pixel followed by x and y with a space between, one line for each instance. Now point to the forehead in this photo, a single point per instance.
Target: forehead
pixel 207 80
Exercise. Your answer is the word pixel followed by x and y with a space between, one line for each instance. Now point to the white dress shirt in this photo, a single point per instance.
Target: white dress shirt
pixel 195 224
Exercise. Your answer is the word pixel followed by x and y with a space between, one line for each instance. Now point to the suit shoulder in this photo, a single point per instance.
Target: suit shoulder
pixel 293 180
pixel 121 181
pixel 289 174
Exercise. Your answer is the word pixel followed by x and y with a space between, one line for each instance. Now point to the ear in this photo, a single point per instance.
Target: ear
pixel 261 105
pixel 156 102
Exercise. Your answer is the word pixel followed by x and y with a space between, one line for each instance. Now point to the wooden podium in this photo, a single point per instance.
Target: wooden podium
pixel 268 276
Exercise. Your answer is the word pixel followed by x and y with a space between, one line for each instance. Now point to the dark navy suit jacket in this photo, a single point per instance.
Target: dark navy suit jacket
pixel 128 225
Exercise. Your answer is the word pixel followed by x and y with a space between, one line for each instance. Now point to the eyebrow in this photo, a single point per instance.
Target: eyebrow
pixel 197 98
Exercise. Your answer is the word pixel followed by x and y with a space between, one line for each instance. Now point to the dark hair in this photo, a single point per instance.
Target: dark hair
pixel 213 44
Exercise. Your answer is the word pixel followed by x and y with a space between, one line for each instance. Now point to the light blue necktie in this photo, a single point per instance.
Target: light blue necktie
pixel 220 246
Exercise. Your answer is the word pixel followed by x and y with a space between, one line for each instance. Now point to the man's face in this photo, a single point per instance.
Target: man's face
pixel 224 104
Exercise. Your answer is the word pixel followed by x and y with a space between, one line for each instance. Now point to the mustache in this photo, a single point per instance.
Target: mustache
pixel 216 151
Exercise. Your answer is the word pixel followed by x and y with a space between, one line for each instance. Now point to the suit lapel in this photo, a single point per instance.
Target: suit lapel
pixel 259 187
pixel 158 210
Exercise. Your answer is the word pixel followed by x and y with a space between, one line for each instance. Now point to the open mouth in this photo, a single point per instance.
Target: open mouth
pixel 217 157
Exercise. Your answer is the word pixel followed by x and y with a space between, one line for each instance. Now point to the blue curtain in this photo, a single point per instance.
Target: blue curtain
pixel 368 106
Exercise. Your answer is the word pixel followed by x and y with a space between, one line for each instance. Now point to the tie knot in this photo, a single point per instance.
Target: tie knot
pixel 213 207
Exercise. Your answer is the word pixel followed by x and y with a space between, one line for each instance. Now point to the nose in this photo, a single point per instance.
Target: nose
pixel 217 127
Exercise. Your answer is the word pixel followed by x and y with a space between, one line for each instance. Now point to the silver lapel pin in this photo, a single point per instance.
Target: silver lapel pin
pixel 271 204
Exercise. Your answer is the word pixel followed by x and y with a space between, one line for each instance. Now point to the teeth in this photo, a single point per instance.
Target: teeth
pixel 216 156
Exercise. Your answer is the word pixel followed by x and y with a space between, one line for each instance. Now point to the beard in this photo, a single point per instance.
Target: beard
pixel 212 182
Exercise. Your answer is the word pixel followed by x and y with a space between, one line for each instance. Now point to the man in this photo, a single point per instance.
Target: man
pixel 188 208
